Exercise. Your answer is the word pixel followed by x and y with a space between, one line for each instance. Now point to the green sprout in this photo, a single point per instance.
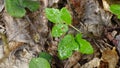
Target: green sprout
pixel 62 19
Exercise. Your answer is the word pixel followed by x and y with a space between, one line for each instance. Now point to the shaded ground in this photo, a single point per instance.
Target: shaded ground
pixel 30 35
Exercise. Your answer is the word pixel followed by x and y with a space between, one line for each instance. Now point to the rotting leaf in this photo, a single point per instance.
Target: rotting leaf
pixel 59 29
pixel 85 46
pixel 111 57
pixel 66 16
pixel 53 15
pixel 39 63
pixel 66 47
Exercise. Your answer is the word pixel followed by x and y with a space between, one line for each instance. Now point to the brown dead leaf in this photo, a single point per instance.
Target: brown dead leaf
pixel 16 29
pixel 111 57
pixel 106 5
pixel 78 7
pixel 73 60
pixel 118 43
pixel 103 64
pixel 94 18
pixel 1 5
pixel 94 63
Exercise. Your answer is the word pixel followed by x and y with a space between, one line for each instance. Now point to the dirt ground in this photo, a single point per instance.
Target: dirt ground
pixel 31 34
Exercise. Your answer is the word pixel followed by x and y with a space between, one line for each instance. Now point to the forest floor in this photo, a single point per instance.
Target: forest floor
pixel 30 35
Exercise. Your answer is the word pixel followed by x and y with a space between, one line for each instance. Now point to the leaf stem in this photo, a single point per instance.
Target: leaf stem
pixel 74 28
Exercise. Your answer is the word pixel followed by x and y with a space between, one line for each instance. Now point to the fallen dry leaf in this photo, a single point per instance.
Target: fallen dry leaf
pixel 16 29
pixel 111 57
pixel 73 60
pixel 1 5
pixel 92 64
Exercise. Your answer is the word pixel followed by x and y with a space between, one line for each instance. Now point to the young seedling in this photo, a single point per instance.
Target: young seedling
pixel 62 19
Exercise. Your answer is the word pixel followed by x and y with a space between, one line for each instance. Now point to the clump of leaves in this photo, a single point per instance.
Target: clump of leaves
pixel 16 8
pixel 41 62
pixel 62 19
pixel 115 9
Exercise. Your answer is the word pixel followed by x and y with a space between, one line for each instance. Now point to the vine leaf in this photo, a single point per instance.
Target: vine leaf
pixel 66 16
pixel 66 47
pixel 85 46
pixel 59 29
pixel 53 15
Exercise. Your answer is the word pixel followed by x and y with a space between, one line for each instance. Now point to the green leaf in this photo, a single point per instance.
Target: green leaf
pixel 31 5
pixel 39 63
pixel 59 29
pixel 115 9
pixel 66 16
pixel 118 16
pixel 85 46
pixel 66 47
pixel 14 8
pixel 45 56
pixel 53 15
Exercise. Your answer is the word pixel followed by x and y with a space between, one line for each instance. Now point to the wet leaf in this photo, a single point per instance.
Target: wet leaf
pixel 53 15
pixel 39 63
pixel 59 29
pixel 66 16
pixel 85 46
pixel 66 47
pixel 45 56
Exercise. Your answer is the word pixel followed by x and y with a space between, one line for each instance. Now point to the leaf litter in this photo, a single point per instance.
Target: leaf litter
pixel 28 36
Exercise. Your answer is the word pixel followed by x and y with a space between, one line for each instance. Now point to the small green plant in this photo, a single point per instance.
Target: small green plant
pixel 41 62
pixel 115 9
pixel 16 8
pixel 62 19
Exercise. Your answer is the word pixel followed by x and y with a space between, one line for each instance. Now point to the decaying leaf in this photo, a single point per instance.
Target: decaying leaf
pixel 92 64
pixel 106 5
pixel 73 60
pixel 52 2
pixel 1 5
pixel 78 6
pixel 111 57
pixel 118 43
pixel 16 29
pixel 94 18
